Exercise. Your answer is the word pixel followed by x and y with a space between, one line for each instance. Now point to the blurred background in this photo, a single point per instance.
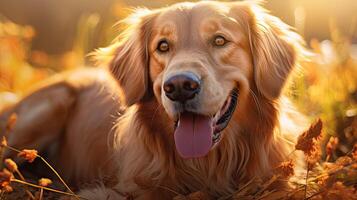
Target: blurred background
pixel 39 38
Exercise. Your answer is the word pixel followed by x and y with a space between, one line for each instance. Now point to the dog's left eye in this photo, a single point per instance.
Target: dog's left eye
pixel 219 41
pixel 163 46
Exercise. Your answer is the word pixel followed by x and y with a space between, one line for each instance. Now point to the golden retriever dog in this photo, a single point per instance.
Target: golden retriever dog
pixel 191 100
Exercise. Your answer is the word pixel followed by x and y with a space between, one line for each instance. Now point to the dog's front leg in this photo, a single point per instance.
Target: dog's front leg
pixel 103 193
pixel 100 193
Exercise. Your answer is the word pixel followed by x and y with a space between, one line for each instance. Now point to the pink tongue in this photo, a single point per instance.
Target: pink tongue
pixel 193 135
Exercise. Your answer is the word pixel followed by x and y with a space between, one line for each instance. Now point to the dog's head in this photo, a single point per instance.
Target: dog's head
pixel 201 61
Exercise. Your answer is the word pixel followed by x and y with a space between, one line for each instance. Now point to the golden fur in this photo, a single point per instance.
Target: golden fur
pixel 261 55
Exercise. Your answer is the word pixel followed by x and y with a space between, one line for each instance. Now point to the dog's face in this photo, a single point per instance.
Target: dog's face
pixel 199 55
pixel 202 61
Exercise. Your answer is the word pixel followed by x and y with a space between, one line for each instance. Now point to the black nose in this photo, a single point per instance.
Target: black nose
pixel 182 87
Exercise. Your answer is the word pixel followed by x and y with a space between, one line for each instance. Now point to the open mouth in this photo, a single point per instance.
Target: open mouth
pixel 196 134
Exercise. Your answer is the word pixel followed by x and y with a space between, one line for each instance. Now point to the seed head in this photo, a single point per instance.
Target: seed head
pixel 28 154
pixel 11 165
pixel 3 142
pixel 331 145
pixel 5 178
pixel 286 169
pixel 308 140
pixel 44 182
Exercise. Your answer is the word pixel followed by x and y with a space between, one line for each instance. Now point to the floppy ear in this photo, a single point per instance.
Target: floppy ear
pixel 129 60
pixel 275 50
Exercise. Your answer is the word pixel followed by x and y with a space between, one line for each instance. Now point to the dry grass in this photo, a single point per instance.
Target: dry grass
pixel 326 89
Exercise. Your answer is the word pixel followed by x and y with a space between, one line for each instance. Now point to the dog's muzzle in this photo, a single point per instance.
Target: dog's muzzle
pixel 195 134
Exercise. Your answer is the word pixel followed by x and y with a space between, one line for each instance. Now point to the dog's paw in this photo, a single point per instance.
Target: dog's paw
pixel 99 193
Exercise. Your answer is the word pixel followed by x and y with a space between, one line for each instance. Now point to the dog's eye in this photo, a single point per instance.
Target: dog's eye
pixel 219 41
pixel 163 46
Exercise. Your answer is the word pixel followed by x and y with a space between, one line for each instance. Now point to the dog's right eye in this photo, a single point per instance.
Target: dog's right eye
pixel 163 46
pixel 219 41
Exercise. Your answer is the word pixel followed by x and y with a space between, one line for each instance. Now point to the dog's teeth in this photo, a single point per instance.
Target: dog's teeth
pixel 216 137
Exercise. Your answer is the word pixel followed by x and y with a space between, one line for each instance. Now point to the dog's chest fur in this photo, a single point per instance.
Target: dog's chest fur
pixel 148 159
